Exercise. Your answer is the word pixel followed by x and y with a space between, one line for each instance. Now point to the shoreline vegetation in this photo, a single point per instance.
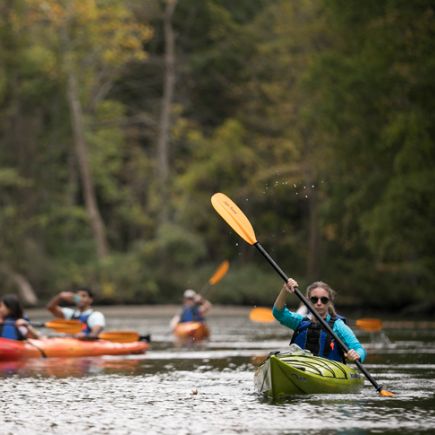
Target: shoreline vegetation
pixel 120 119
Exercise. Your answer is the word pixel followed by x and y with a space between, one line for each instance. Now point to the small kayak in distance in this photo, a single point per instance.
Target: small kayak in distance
pixel 194 331
pixel 283 375
pixel 65 347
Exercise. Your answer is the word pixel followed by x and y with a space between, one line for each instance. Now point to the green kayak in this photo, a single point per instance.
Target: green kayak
pixel 287 374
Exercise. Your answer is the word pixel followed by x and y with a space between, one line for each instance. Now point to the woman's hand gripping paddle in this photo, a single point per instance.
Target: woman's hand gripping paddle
pixel 236 219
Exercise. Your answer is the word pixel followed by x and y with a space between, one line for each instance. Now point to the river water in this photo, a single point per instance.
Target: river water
pixel 209 389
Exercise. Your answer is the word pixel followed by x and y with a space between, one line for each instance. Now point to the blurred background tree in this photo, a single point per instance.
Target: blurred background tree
pixel 119 120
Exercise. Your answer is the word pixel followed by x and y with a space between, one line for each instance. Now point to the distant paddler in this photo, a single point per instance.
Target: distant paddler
pixel 189 324
pixel 93 322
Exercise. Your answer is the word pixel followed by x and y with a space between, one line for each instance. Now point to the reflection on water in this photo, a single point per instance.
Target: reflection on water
pixel 71 367
pixel 209 389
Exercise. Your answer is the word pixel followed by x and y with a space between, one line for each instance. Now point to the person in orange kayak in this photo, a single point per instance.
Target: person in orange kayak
pixel 308 333
pixel 13 325
pixel 93 321
pixel 194 309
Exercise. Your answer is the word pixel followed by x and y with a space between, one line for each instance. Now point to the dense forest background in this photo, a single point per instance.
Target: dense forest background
pixel 120 118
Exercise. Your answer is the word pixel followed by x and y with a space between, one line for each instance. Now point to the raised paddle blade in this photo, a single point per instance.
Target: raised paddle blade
pixel 120 336
pixel 369 324
pixel 261 315
pixel 220 272
pixel 64 326
pixel 234 217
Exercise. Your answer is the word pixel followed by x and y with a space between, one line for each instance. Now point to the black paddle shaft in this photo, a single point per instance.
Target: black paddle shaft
pixel 316 314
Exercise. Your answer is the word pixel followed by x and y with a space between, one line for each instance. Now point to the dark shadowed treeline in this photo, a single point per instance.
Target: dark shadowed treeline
pixel 119 119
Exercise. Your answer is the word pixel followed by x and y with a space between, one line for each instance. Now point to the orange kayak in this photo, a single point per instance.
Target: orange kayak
pixel 192 330
pixel 12 350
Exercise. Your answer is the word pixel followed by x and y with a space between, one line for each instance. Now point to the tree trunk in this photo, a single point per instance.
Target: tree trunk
pixel 25 289
pixel 97 224
pixel 165 115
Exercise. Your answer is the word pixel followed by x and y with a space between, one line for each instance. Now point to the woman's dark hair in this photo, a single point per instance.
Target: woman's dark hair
pixel 14 306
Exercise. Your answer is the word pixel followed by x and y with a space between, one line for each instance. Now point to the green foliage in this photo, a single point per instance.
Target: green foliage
pixel 10 178
pixel 380 125
pixel 184 248
pixel 246 285
pixel 316 117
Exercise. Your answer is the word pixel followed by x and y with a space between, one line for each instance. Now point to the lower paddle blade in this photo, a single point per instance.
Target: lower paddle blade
pixel 120 336
pixel 257 360
pixel 369 324
pixel 262 315
pixel 385 393
pixel 234 217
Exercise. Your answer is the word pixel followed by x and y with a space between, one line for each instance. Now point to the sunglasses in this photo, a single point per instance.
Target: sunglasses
pixel 323 299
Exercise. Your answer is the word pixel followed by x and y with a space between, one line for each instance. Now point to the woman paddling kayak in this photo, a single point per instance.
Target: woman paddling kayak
pixel 13 325
pixel 308 333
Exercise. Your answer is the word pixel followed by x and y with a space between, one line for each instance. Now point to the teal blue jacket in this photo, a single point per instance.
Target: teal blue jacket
pixel 292 320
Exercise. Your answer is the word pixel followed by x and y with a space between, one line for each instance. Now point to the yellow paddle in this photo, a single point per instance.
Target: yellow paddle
pixel 75 326
pixel 261 315
pixel 236 219
pixel 123 336
pixel 62 325
pixel 219 273
pixel 369 324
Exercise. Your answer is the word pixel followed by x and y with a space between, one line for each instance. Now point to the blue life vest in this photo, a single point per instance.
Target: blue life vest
pixel 191 314
pixel 313 337
pixel 9 330
pixel 78 315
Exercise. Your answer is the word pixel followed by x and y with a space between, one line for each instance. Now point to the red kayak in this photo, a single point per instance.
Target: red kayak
pixel 65 347
pixel 194 331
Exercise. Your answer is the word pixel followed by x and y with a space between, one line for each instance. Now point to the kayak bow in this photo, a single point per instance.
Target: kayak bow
pixel 195 331
pixel 286 375
pixel 65 347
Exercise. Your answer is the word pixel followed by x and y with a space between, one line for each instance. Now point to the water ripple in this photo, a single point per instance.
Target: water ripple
pixel 209 390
